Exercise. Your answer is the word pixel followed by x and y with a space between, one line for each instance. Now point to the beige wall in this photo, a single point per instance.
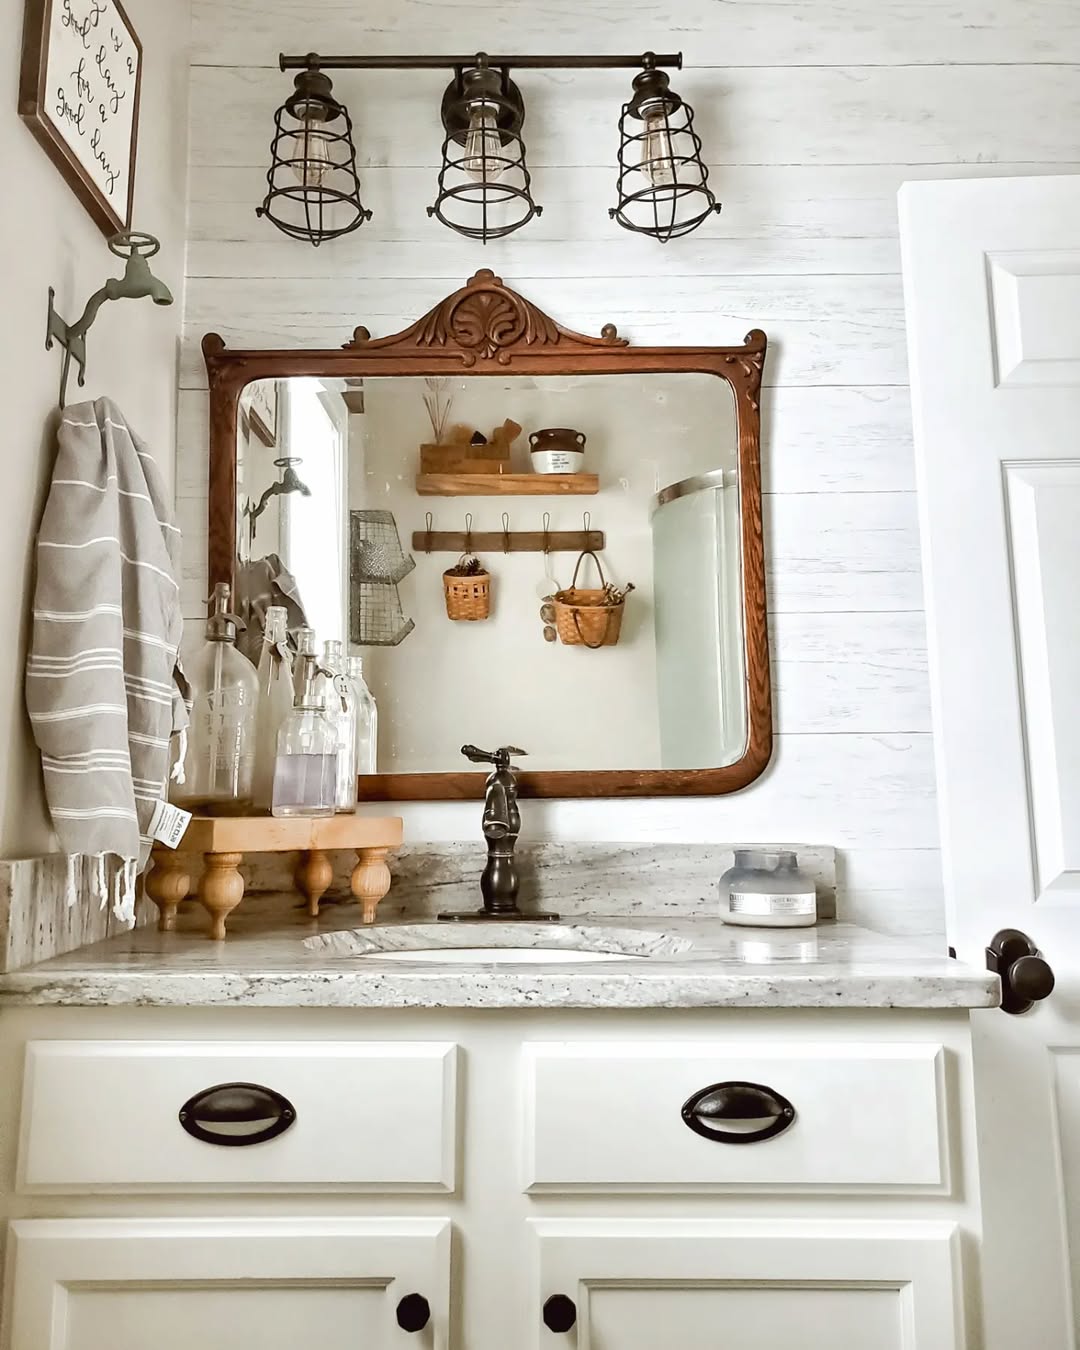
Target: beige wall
pixel 47 238
pixel 812 115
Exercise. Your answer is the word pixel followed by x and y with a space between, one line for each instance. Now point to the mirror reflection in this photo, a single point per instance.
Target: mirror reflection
pixel 551 562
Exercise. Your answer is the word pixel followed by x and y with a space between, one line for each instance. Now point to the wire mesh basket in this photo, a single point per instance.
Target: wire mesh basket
pixel 376 564
pixel 375 552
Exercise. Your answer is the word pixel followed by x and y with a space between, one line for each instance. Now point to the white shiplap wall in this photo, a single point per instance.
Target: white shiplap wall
pixel 812 114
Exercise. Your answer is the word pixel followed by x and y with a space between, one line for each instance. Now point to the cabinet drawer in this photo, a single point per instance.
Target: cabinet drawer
pixel 370 1115
pixel 609 1117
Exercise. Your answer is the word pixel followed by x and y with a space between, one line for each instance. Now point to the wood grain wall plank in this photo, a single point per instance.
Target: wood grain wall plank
pixel 837 439
pixel 849 672
pixel 842 551
pixel 809 116
pixel 844 32
pixel 822 329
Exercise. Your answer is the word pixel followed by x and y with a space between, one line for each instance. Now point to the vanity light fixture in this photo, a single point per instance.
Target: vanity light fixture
pixel 312 188
pixel 484 184
pixel 484 189
pixel 663 183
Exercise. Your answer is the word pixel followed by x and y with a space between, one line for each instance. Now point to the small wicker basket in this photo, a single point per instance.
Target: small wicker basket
pixel 467 597
pixel 590 616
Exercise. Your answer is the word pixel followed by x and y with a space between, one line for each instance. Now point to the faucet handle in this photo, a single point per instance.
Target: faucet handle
pixel 500 758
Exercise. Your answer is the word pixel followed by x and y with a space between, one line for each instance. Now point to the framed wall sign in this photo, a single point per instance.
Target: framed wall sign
pixel 79 94
pixel 263 411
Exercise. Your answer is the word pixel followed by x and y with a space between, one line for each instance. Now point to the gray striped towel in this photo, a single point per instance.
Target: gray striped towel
pixel 104 688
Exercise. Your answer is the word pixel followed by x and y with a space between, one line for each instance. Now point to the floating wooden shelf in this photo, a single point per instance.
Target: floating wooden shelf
pixel 507 484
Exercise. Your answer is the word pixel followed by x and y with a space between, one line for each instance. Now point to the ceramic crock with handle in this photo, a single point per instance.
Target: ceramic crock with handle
pixel 557 450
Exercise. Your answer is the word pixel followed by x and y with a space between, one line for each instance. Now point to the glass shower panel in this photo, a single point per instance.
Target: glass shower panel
pixel 697 580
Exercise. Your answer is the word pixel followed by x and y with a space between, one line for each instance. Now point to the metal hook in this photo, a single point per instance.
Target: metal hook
pixel 468 532
pixel 428 520
pixel 506 531
pixel 547 526
pixel 586 520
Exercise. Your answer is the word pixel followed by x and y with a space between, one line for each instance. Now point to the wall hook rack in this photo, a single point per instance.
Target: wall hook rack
pixel 136 282
pixel 505 540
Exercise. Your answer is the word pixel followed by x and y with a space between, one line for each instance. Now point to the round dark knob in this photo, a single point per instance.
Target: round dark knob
pixel 560 1313
pixel 413 1312
pixel 1032 979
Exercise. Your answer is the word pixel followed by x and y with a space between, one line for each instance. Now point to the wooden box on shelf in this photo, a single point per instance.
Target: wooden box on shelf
pixel 223 842
pixel 486 458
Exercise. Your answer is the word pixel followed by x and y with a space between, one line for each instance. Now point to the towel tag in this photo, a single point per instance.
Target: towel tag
pixel 168 823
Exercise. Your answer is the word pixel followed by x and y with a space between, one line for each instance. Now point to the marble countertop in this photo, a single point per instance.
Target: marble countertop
pixel 275 956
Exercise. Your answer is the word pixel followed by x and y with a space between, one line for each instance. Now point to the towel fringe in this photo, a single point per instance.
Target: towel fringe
pixel 124 891
pixel 177 771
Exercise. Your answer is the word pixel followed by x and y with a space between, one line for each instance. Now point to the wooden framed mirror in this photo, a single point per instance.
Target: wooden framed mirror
pixel 309 447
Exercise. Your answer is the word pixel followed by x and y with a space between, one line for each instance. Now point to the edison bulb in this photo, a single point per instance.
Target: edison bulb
pixel 310 160
pixel 483 156
pixel 657 157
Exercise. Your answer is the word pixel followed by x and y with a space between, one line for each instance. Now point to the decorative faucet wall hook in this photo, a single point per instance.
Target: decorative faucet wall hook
pixel 136 282
pixel 288 482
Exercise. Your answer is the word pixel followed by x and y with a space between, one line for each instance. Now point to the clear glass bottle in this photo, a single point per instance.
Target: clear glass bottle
pixel 305 646
pixel 305 768
pixel 766 889
pixel 367 718
pixel 340 698
pixel 220 758
pixel 276 698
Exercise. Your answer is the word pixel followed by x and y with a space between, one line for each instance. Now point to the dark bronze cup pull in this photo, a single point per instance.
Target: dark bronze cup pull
pixel 560 1313
pixel 413 1312
pixel 738 1113
pixel 237 1114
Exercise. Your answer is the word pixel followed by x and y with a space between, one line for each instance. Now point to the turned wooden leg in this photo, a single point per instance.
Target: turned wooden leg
pixel 221 888
pixel 168 884
pixel 313 878
pixel 370 880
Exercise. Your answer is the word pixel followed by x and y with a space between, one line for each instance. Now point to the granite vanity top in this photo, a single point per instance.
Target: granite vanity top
pixel 694 962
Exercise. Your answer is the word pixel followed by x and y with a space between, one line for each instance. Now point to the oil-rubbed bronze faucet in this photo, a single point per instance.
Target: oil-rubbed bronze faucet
pixel 501 824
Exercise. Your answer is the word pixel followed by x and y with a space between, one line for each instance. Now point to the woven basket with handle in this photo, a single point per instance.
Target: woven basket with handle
pixel 467 597
pixel 589 616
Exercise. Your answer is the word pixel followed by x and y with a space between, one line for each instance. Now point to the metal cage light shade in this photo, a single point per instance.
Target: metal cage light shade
pixel 663 184
pixel 484 189
pixel 313 191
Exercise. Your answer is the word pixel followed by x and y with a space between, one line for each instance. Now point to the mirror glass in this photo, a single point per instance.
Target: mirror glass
pixel 332 518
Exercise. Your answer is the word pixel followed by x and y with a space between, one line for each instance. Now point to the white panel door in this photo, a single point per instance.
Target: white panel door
pixel 132 1284
pixel 992 284
pixel 648 1284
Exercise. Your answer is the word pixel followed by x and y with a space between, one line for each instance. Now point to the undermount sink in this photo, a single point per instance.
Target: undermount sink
pixel 497 943
pixel 501 956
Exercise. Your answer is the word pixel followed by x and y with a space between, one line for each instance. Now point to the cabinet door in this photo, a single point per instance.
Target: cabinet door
pixel 652 1284
pixel 126 1284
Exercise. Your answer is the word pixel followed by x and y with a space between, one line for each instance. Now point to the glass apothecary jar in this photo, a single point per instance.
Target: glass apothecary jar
pixel 767 889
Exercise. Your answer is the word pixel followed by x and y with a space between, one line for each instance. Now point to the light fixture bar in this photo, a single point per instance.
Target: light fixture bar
pixel 671 60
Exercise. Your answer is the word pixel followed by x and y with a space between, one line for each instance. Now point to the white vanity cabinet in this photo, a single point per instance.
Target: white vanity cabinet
pixel 489 1180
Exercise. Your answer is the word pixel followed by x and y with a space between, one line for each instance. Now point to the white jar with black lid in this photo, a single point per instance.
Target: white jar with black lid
pixel 766 889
